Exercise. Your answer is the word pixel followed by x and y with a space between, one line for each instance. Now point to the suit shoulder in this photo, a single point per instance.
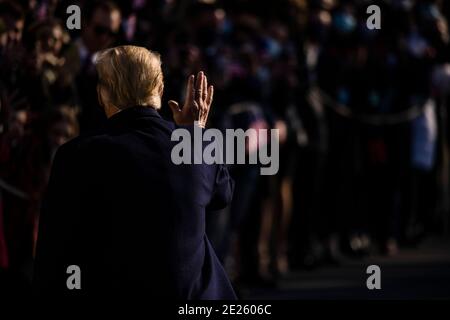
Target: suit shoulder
pixel 83 143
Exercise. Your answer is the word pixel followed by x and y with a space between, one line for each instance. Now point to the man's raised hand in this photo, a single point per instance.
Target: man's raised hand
pixel 197 103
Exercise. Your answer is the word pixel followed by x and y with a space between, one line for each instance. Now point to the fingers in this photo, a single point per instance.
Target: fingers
pixel 201 88
pixel 208 102
pixel 207 93
pixel 205 88
pixel 198 101
pixel 174 106
pixel 195 110
pixel 209 98
pixel 190 90
pixel 199 82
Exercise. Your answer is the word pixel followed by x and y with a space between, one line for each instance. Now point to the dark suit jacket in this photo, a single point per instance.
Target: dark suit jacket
pixel 118 208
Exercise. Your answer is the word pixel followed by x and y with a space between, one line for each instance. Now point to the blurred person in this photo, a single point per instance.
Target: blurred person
pixel 100 29
pixel 280 56
pixel 182 58
pixel 103 187
pixel 311 239
pixel 423 187
pixel 253 239
pixel 347 71
pixel 49 36
pixel 235 232
pixel 49 82
pixel 12 57
pixel 12 21
pixel 12 131
pixel 441 85
pixel 101 26
pixel 235 235
pixel 30 175
pixel 428 145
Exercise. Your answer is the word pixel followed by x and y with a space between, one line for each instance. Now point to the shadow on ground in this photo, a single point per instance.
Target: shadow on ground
pixel 420 273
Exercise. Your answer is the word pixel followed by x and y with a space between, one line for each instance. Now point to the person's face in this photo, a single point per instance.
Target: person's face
pixel 13 30
pixel 53 40
pixel 59 133
pixel 17 123
pixel 102 29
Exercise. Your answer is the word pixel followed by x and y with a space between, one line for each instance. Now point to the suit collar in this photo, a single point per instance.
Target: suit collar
pixel 128 115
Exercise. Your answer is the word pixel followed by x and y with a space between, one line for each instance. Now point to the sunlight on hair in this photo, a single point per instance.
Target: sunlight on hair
pixel 131 76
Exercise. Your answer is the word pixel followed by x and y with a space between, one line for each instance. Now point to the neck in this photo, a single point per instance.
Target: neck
pixel 154 102
pixel 111 110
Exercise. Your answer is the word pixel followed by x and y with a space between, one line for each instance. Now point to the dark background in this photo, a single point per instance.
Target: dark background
pixel 362 114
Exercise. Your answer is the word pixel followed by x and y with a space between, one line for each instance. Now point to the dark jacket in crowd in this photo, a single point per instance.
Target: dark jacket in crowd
pixel 119 209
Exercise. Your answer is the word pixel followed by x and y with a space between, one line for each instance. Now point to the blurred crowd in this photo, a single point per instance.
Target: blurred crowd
pixel 362 118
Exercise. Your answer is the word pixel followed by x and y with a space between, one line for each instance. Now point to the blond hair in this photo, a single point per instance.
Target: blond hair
pixel 131 75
